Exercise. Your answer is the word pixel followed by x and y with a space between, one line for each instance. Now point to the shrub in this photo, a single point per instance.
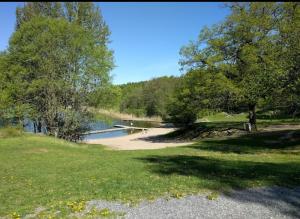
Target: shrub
pixel 10 131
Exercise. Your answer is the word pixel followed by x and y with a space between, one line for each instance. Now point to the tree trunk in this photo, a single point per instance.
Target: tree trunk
pixel 34 126
pixel 39 126
pixel 252 116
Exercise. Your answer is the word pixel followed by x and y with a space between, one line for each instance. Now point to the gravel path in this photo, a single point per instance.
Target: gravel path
pixel 271 202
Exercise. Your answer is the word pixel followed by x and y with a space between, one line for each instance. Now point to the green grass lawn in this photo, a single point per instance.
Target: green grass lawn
pixel 263 118
pixel 43 171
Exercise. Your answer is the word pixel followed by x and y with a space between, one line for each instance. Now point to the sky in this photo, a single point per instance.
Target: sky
pixel 145 37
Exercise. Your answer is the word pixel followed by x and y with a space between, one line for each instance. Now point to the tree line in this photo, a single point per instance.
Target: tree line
pixel 249 60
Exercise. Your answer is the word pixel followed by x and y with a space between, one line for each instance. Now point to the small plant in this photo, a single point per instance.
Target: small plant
pixel 177 195
pixel 76 206
pixel 10 131
pixel 105 212
pixel 213 196
pixel 15 215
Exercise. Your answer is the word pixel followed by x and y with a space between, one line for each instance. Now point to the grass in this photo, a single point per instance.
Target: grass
pixel 225 117
pixel 124 116
pixel 40 171
pixel 263 118
pixel 221 122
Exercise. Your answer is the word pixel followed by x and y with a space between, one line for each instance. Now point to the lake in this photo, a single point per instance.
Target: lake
pixel 104 122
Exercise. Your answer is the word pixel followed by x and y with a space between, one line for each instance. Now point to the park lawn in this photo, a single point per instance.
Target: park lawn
pixel 263 119
pixel 43 171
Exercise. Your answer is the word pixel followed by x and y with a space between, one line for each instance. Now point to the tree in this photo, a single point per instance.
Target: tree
pixel 289 45
pixel 40 9
pixel 148 98
pixel 157 94
pixel 243 49
pixel 201 90
pixel 106 97
pixel 55 65
pixel 58 58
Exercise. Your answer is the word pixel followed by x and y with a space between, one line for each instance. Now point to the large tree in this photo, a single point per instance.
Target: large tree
pixel 289 43
pixel 244 49
pixel 52 66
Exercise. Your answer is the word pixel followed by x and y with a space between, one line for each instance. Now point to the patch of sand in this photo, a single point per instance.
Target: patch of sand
pixel 151 139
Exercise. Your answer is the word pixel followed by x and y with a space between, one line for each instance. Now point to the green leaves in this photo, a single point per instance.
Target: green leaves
pixel 243 59
pixel 53 64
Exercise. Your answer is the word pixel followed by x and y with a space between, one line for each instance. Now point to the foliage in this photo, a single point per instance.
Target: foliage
pixel 148 98
pixel 213 196
pixel 201 90
pixel 246 59
pixel 289 41
pixel 106 97
pixel 57 58
pixel 10 131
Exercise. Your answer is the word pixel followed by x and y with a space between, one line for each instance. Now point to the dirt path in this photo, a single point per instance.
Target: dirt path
pixel 151 139
pixel 266 202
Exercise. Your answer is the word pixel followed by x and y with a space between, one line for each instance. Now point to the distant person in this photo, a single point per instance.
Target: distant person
pixel 131 124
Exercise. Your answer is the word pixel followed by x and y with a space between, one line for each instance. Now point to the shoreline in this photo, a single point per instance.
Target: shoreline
pixel 150 139
pixel 125 116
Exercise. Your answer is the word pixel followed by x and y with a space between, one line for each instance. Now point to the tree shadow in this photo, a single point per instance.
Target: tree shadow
pixel 217 174
pixel 160 139
pixel 232 173
pixel 256 142
pixel 285 200
pixel 192 131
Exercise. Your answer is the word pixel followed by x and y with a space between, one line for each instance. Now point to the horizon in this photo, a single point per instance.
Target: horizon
pixel 137 42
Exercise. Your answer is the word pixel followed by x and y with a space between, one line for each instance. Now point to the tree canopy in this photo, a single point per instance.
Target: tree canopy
pixel 245 58
pixel 53 64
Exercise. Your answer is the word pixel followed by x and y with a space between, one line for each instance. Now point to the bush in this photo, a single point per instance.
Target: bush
pixel 10 131
pixel 181 114
pixel 72 124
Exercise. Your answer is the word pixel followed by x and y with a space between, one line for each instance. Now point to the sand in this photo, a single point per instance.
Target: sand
pixel 142 140
pixel 152 139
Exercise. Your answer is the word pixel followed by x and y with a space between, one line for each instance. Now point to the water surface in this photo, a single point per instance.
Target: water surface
pixel 105 122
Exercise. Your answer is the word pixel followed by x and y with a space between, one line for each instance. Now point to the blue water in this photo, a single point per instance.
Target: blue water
pixel 103 123
pixel 117 133
pixel 108 123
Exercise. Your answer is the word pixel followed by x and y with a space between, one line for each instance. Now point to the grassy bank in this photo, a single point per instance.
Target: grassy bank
pixel 43 171
pixel 124 116
pixel 263 118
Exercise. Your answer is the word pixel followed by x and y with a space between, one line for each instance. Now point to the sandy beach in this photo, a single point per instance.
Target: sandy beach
pixel 142 140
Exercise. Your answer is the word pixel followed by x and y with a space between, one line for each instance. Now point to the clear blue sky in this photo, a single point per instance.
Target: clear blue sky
pixel 146 37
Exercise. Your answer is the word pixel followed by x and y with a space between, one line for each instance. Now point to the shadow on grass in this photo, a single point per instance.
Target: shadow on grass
pixel 228 173
pixel 251 143
pixel 217 174
pixel 193 131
